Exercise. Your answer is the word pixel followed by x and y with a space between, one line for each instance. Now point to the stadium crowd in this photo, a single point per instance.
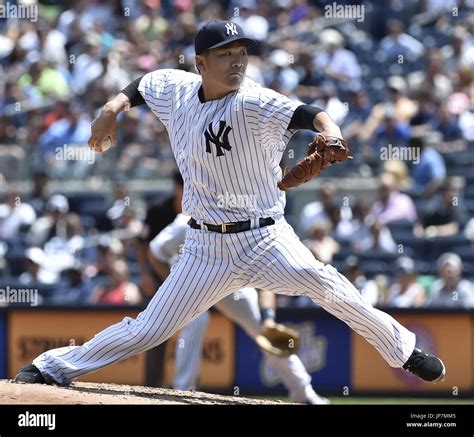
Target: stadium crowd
pixel 399 81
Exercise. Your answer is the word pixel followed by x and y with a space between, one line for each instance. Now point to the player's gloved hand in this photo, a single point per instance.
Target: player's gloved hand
pixel 323 152
pixel 103 131
pixel 278 339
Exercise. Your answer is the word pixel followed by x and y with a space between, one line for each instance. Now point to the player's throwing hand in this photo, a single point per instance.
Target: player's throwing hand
pixel 104 127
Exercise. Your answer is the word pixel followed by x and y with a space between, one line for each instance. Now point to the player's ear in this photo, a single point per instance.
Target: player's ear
pixel 200 63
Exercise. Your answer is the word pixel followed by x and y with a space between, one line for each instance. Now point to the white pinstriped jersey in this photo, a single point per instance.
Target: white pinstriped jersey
pixel 228 150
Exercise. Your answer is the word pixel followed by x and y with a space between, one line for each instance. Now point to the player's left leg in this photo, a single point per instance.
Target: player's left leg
pixel 288 265
pixel 242 307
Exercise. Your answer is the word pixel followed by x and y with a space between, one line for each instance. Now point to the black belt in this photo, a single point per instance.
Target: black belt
pixel 229 228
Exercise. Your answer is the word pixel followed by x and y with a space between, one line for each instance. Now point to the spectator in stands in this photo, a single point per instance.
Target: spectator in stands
pixel 108 250
pixel 120 200
pixel 400 172
pixel 392 205
pixel 36 265
pixel 405 292
pixel 322 210
pixel 450 290
pixel 310 79
pixel 117 290
pixel 40 192
pixel 337 63
pixel 13 215
pixel 399 109
pixel 128 227
pixel 285 77
pixel 446 214
pixel 88 66
pixel 320 243
pixel 368 288
pixel 432 77
pixel 430 172
pixel 254 25
pixel 397 43
pixel 423 120
pixel 460 50
pixel 52 223
pixel 390 131
pixel 448 125
pixel 7 130
pixel 330 102
pixel 62 249
pixel 359 111
pixel 342 228
pixel 72 289
pixel 459 107
pixel 43 79
pixel 4 267
pixel 372 236
pixel 368 234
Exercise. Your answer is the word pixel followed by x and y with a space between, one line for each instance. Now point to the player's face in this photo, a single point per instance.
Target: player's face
pixel 226 65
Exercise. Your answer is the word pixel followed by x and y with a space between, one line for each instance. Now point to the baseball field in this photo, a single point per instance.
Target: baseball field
pixel 82 393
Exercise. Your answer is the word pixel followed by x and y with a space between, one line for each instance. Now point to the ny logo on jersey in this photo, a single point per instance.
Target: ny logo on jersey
pixel 231 27
pixel 221 139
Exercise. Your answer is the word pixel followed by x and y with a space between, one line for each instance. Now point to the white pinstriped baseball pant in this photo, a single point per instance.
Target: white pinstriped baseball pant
pixel 243 309
pixel 214 265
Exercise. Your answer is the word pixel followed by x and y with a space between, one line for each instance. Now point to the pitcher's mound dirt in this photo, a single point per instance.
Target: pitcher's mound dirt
pixel 106 394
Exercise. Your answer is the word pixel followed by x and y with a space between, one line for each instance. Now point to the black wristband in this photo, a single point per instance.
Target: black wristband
pixel 131 91
pixel 303 117
pixel 267 313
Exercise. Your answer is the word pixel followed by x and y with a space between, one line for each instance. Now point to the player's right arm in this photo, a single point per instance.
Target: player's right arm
pixel 105 125
pixel 152 89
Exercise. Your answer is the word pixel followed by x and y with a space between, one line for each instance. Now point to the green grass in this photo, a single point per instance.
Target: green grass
pixel 398 401
pixel 352 400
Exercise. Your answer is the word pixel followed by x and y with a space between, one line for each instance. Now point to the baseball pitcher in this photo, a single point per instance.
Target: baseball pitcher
pixel 228 136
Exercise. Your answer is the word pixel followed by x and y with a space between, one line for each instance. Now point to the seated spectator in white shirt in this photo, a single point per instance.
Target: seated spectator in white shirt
pixel 450 290
pixel 397 43
pixel 13 214
pixel 369 234
pixel 405 292
pixel 320 243
pixel 320 210
pixel 335 61
pixel 51 223
pixel 37 269
pixel 354 272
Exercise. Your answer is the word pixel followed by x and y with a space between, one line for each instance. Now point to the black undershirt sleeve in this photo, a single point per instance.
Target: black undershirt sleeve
pixel 131 91
pixel 303 117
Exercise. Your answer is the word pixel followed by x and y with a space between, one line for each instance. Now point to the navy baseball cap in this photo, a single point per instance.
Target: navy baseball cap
pixel 220 33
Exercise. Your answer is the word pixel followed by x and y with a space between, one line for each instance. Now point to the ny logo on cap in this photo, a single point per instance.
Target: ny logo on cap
pixel 231 28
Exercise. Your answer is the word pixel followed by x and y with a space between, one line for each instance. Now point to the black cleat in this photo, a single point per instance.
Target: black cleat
pixel 426 366
pixel 30 375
